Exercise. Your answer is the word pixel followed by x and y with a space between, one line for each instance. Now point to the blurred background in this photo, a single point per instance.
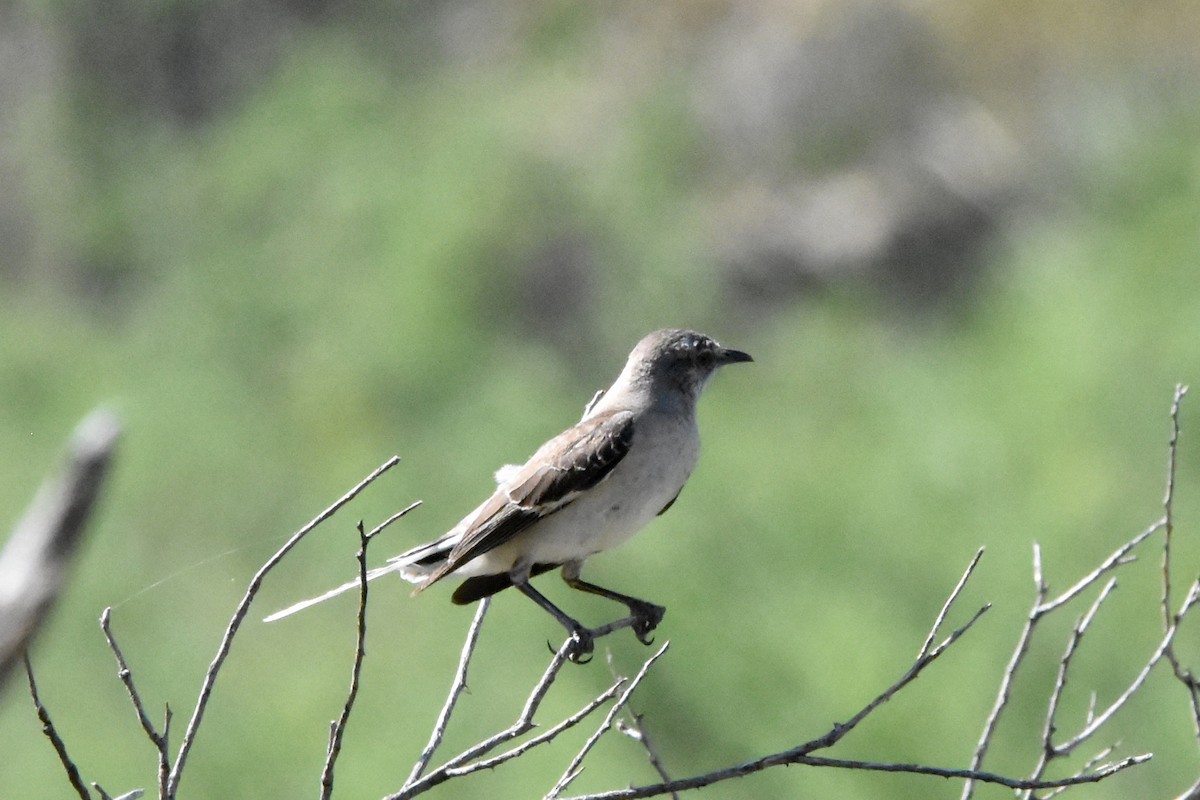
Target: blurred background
pixel 284 240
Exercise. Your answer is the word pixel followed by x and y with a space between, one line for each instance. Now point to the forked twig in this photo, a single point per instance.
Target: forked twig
pixel 573 769
pixel 634 728
pixel 801 754
pixel 338 727
pixel 159 740
pixel 941 617
pixel 210 677
pixel 789 757
pixel 461 763
pixel 1041 607
pixel 457 686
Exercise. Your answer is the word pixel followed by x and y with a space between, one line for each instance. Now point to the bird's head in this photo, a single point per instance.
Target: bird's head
pixel 678 363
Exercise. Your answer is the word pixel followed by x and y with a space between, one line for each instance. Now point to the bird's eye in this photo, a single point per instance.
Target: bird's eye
pixel 706 358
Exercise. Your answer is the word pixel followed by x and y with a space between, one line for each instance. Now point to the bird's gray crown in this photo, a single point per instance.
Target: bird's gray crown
pixel 675 360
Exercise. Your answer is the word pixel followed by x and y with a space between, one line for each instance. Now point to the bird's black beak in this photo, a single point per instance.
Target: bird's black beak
pixel 728 356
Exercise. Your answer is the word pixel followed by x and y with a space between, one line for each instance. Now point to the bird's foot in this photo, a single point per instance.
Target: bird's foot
pixel 580 645
pixel 646 617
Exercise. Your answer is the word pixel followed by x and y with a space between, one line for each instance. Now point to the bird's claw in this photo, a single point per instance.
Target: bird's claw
pixel 646 617
pixel 580 646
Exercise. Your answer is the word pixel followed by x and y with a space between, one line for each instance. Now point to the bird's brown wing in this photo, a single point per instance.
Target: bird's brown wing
pixel 564 467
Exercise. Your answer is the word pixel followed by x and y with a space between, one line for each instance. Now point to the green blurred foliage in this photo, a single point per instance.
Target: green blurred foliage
pixel 341 269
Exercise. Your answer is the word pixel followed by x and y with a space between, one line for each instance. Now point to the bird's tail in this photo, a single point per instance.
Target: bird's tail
pixel 345 587
pixel 414 566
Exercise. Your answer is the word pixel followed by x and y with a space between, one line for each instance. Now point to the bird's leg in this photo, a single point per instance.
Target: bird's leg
pixel 581 637
pixel 645 615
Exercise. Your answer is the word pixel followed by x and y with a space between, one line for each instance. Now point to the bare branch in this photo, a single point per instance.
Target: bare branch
pixel 378 529
pixel 1169 504
pixel 51 732
pixel 1002 697
pixel 1117 558
pixel 239 615
pixel 1098 720
pixel 840 730
pixel 524 722
pixel 35 561
pixel 1183 674
pixel 338 727
pixel 1170 621
pixel 574 767
pixel 542 738
pixel 159 740
pixel 801 753
pixel 941 617
pixel 1060 682
pixel 522 725
pixel 456 689
pixel 634 728
pixel 794 757
pixel 1041 607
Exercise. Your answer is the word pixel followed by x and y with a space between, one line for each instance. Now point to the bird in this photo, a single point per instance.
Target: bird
pixel 585 491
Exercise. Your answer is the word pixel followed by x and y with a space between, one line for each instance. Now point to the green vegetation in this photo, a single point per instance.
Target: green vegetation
pixel 340 270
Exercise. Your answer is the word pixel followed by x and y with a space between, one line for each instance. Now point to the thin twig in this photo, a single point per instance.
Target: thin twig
pixel 338 727
pixel 793 757
pixel 573 768
pixel 1118 558
pixel 1002 697
pixel 378 529
pixel 542 738
pixel 1100 719
pixel 801 753
pixel 1182 674
pixel 522 725
pixel 1088 767
pixel 159 740
pixel 635 729
pixel 1169 504
pixel 524 721
pixel 1041 607
pixel 210 677
pixel 840 730
pixel 457 686
pixel 1004 693
pixel 48 728
pixel 941 617
pixel 1049 751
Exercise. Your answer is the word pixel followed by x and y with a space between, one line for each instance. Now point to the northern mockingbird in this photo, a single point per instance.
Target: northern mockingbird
pixel 585 491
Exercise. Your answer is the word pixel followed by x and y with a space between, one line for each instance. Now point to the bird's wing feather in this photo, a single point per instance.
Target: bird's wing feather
pixel 563 468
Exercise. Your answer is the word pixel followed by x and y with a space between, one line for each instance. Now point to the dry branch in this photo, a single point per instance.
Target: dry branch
pixel 34 563
pixel 210 677
pixel 479 756
pixel 51 733
pixel 338 726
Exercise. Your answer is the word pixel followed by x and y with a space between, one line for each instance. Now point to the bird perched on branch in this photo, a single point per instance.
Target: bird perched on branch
pixel 583 492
